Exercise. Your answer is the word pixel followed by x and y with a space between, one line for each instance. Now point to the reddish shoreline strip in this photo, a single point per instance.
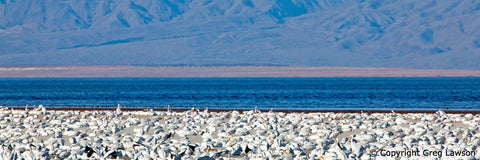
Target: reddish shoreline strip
pixel 369 111
pixel 221 71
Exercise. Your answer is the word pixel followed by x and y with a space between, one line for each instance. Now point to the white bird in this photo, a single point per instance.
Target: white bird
pixel 118 111
pixel 43 109
pixel 71 134
pixel 338 150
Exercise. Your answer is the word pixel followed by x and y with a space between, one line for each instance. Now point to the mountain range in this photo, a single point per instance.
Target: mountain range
pixel 356 33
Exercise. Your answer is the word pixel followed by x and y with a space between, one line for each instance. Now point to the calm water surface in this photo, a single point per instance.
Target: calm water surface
pixel 246 93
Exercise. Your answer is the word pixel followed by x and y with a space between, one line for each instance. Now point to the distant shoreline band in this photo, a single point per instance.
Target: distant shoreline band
pixel 309 110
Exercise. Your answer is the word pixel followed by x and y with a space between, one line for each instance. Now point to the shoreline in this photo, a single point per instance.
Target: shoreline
pixel 126 71
pixel 326 110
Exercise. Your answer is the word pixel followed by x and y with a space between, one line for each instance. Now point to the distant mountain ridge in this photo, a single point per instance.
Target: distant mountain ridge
pixel 360 33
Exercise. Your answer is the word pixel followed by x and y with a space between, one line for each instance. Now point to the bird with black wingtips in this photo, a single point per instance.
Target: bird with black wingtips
pixel 291 151
pixel 135 145
pixel 112 154
pixel 10 147
pixel 192 147
pixel 89 151
pixel 177 156
pixel 247 149
pixel 169 152
pixel 182 154
pixel 31 145
pixel 9 154
pixel 4 146
pixel 169 135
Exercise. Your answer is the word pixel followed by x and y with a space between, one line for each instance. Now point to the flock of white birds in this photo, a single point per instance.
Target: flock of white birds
pixel 50 134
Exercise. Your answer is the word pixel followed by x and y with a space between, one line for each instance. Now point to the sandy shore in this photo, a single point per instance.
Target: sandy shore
pixel 224 71
pixel 75 134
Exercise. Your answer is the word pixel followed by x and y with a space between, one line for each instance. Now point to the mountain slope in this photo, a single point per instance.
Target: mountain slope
pixel 366 33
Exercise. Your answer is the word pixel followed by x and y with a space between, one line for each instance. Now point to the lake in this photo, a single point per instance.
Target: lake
pixel 245 93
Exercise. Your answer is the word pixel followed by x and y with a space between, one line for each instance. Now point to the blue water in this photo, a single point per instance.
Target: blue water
pixel 246 93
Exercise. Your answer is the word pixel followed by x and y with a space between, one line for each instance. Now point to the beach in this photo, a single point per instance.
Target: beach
pixel 42 133
pixel 112 71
